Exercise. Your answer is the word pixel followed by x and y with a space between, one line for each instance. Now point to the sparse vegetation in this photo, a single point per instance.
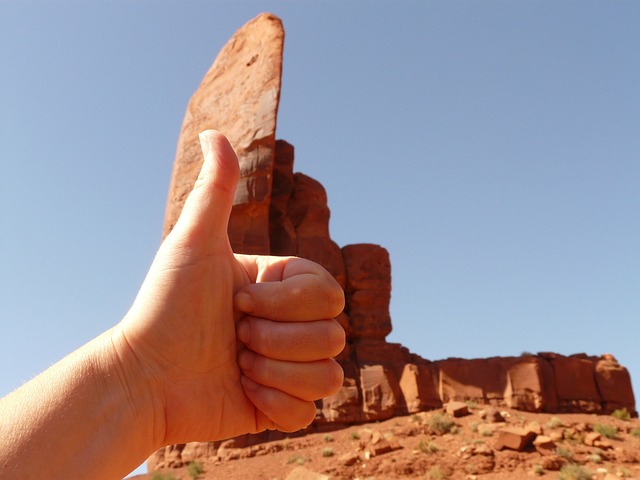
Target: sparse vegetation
pixel 635 432
pixel 327 452
pixel 427 447
pixel 435 473
pixel 607 431
pixel 328 438
pixel 564 453
pixel 162 476
pixel 355 436
pixel 621 414
pixel 554 422
pixel 441 424
pixel 195 470
pixel 623 472
pixel 538 470
pixel 595 458
pixel 471 404
pixel 574 472
pixel 297 459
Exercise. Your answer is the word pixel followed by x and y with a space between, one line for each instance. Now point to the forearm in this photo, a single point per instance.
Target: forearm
pixel 80 417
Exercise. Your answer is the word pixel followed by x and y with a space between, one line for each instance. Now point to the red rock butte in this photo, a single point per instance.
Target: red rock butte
pixel 279 212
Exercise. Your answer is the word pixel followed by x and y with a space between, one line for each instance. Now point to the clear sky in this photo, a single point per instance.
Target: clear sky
pixel 491 146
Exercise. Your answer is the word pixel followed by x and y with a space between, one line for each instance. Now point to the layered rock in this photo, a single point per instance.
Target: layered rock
pixel 279 212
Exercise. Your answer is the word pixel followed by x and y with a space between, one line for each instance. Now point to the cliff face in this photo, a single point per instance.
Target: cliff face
pixel 279 212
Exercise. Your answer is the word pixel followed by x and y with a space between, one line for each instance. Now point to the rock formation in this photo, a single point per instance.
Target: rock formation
pixel 279 212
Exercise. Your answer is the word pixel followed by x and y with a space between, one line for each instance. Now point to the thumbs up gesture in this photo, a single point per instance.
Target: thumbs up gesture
pixel 226 344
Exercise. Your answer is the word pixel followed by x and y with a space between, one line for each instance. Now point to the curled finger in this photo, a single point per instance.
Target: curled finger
pixel 292 341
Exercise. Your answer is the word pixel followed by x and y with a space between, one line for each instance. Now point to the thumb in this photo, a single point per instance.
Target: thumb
pixel 205 216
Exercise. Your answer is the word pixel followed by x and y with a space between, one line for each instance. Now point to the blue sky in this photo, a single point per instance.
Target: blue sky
pixel 490 146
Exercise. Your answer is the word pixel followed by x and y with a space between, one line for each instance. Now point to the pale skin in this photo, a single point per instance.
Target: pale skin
pixel 215 345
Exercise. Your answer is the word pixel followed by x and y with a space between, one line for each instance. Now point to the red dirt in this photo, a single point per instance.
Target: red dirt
pixel 419 452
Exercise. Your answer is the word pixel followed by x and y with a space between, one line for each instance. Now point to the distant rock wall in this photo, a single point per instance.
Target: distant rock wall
pixel 279 212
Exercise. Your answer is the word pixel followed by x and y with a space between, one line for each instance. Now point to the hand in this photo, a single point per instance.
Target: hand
pixel 228 344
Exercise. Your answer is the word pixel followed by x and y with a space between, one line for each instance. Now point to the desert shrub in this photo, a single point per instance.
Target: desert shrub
pixel 162 476
pixel 595 458
pixel 441 424
pixel 328 438
pixel 195 470
pixel 427 447
pixel 297 459
pixel 635 432
pixel 564 453
pixel 554 422
pixel 327 452
pixel 435 473
pixel 621 414
pixel 355 436
pixel 538 470
pixel 623 472
pixel 607 431
pixel 574 472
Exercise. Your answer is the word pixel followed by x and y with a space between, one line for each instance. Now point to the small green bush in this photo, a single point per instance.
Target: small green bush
pixel 595 458
pixel 297 459
pixel 328 438
pixel 623 472
pixel 574 472
pixel 162 476
pixel 538 470
pixel 427 447
pixel 327 452
pixel 564 453
pixel 355 436
pixel 607 431
pixel 554 422
pixel 635 432
pixel 195 470
pixel 621 414
pixel 435 473
pixel 440 424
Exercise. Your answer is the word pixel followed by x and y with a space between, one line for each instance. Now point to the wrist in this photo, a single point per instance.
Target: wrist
pixel 135 387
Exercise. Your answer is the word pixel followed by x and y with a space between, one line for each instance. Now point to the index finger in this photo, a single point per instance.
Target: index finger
pixel 290 289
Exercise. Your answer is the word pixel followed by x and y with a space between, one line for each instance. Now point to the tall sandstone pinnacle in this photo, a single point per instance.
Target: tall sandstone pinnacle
pixel 279 212
pixel 238 96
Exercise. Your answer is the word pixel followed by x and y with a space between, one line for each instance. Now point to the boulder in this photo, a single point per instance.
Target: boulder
pixel 514 438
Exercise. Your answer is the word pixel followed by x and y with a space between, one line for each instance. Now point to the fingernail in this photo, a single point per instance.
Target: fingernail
pixel 249 384
pixel 204 143
pixel 244 302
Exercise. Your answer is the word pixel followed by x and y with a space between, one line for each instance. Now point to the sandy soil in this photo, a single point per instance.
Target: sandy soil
pixel 418 450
